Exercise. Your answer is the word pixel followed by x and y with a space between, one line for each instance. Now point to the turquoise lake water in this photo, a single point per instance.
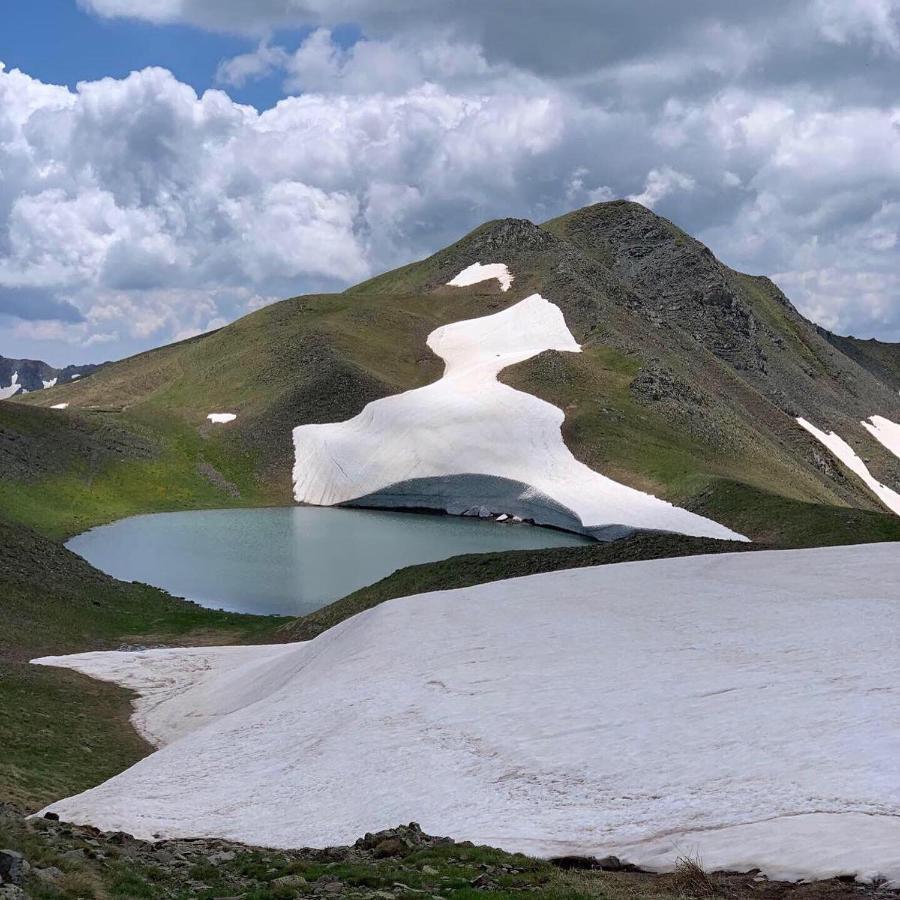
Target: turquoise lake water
pixel 289 560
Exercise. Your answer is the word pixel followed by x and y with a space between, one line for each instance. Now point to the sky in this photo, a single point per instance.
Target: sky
pixel 167 166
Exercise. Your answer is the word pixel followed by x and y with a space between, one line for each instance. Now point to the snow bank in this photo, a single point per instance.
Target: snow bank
pixel 477 272
pixel 467 423
pixel 741 706
pixel 49 384
pixel 60 406
pixel 885 431
pixel 221 418
pixel 848 456
pixel 12 388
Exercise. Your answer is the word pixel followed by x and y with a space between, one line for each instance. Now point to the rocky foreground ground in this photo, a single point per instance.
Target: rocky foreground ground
pixel 46 858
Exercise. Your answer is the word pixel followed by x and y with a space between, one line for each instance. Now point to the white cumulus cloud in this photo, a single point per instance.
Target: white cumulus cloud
pixel 136 208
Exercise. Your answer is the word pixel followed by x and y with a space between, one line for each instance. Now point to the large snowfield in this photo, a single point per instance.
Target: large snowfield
pixel 743 707
pixel 468 423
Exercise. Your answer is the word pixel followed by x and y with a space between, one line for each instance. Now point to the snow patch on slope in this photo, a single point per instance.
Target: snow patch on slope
pixel 650 709
pixel 848 456
pixel 477 272
pixel 885 431
pixel 50 383
pixel 468 423
pixel 12 388
pixel 221 418
pixel 60 406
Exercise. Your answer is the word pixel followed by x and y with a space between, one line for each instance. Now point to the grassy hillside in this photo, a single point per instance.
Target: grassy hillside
pixel 61 732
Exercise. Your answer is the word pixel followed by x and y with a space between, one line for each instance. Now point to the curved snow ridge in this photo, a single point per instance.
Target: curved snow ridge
pixel 221 418
pixel 477 273
pixel 468 423
pixel 849 457
pixel 885 432
pixel 481 495
pixel 651 710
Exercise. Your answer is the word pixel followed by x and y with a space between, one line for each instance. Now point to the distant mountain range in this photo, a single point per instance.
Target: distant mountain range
pixel 18 376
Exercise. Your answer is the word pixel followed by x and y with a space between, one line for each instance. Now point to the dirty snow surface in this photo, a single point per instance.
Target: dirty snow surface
pixel 477 273
pixel 740 706
pixel 468 423
pixel 850 458
pixel 221 418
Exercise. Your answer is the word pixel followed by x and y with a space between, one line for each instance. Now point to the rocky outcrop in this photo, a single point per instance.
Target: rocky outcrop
pixel 35 374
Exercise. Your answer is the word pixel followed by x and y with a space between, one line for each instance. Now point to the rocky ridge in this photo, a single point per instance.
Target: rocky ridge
pixel 36 375
pixel 46 858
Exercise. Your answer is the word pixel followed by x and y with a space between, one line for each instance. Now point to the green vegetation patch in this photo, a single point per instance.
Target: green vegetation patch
pixel 62 732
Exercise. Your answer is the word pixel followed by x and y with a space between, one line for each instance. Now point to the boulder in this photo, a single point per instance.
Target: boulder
pixel 14 867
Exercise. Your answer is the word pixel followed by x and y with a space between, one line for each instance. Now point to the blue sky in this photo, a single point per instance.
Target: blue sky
pixel 58 42
pixel 135 211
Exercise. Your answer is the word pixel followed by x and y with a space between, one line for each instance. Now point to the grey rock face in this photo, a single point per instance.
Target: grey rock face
pixel 32 373
pixel 14 868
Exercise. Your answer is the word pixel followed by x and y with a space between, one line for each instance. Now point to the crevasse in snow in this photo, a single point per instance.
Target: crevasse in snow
pixel 677 707
pixel 849 457
pixel 468 423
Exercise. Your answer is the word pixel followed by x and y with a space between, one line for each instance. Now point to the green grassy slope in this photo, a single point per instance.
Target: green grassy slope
pixel 59 731
pixel 64 471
